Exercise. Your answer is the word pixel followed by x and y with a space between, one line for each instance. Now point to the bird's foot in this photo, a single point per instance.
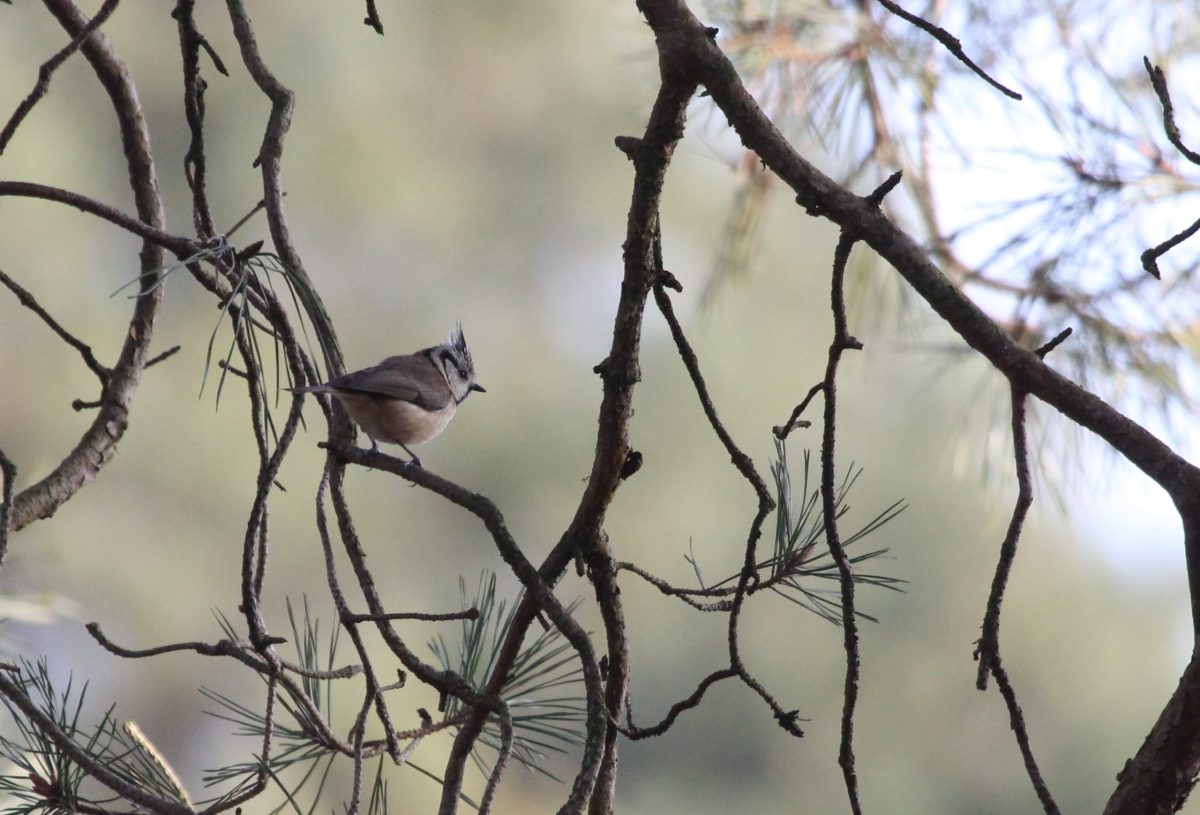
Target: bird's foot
pixel 415 460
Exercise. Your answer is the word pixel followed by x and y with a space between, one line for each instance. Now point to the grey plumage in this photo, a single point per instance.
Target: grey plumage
pixel 412 378
pixel 407 399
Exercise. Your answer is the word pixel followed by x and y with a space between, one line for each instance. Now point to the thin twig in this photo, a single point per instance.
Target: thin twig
pixel 358 730
pixel 469 614
pixel 372 18
pixel 988 650
pixel 1017 720
pixel 8 470
pixel 262 204
pixel 46 71
pixel 1158 80
pixel 794 421
pixel 743 464
pixel 170 352
pixel 842 341
pixel 989 643
pixel 1150 256
pixel 631 731
pixel 686 595
pixel 952 43
pixel 1055 341
pixel 30 302
pixel 242 651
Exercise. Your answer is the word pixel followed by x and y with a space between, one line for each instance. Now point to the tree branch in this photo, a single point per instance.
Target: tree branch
pixel 47 69
pixel 98 444
pixel 30 302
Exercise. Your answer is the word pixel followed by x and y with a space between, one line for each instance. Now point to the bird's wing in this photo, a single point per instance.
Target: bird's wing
pixel 409 378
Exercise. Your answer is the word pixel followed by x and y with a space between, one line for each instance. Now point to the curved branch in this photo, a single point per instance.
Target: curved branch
pixel 98 444
pixel 635 733
pixel 178 245
pixel 270 159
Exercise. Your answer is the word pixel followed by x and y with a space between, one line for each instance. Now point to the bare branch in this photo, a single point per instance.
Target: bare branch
pixel 359 728
pixel 506 744
pixel 241 651
pixel 469 614
pixel 1158 80
pixel 30 302
pixel 46 71
pixel 372 18
pixel 180 246
pixel 636 733
pixel 619 372
pixel 683 594
pixel 194 162
pixel 534 585
pixel 98 443
pixel 270 159
pixel 842 341
pixel 952 45
pixel 8 470
pixel 988 652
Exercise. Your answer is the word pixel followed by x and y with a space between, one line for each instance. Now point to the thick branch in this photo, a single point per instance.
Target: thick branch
pixel 1170 759
pixel 98 444
pixel 651 155
pixel 823 196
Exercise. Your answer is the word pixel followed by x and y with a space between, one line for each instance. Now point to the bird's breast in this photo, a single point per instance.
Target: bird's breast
pixel 395 421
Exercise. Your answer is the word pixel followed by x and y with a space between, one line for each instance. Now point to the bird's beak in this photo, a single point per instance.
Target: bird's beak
pixel 477 387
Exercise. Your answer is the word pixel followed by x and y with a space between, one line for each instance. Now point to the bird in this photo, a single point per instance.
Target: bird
pixel 407 399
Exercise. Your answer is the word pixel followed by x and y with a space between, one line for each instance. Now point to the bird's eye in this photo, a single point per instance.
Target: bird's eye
pixel 462 374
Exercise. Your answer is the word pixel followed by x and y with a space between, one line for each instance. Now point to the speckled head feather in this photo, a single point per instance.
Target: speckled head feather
pixel 459 343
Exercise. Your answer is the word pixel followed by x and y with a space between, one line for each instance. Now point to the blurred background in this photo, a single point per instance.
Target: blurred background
pixel 462 168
